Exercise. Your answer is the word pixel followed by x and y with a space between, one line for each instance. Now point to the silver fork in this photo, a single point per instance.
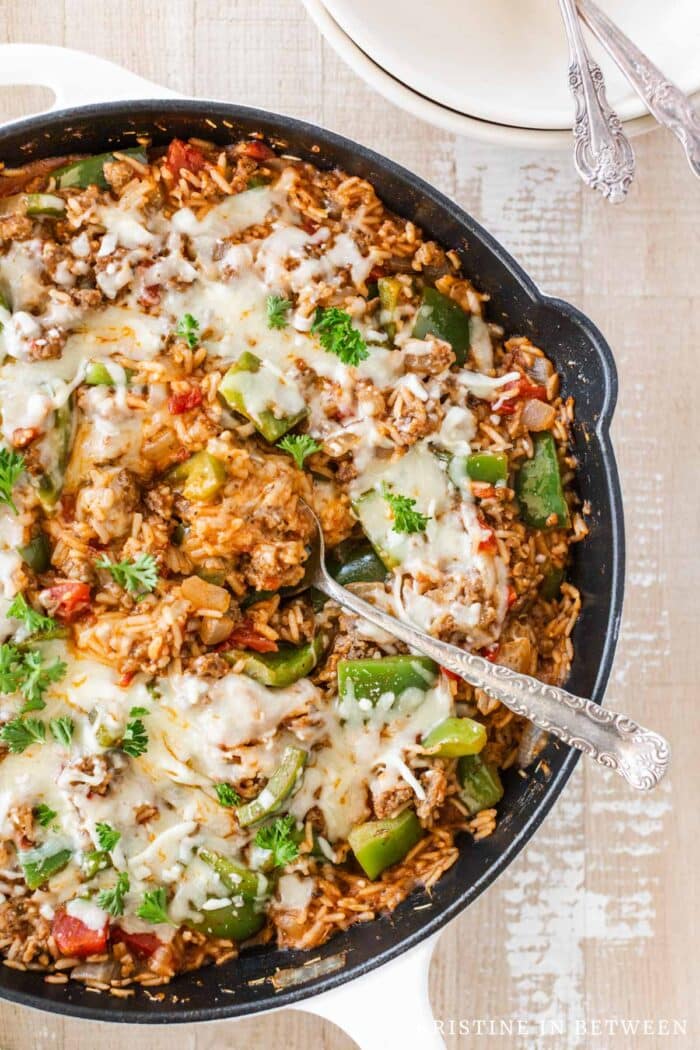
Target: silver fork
pixel 602 154
pixel 664 99
pixel 613 740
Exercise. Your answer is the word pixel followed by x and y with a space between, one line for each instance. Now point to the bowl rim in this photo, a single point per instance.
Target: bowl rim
pixel 122 111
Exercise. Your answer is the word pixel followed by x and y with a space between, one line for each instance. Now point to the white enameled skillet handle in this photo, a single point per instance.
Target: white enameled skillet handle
pixel 75 77
pixel 387 1008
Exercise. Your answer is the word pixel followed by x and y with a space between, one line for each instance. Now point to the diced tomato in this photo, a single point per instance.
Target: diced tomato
pixel 179 403
pixel 489 544
pixel 376 272
pixel 66 600
pixel 258 150
pixel 512 596
pixel 482 490
pixel 450 674
pixel 182 155
pixel 246 637
pixel 309 226
pixel 73 937
pixel 491 652
pixel 127 679
pixel 519 390
pixel 142 945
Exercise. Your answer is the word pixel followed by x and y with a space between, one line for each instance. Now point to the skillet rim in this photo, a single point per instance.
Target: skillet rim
pixel 155 1013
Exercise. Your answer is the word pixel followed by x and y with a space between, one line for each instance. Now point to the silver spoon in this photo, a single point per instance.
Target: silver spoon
pixel 613 740
pixel 664 100
pixel 602 154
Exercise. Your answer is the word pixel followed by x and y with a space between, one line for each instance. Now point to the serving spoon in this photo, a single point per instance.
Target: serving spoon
pixel 603 155
pixel 613 740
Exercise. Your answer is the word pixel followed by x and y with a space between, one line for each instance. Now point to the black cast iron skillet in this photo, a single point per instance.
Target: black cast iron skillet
pixel 586 366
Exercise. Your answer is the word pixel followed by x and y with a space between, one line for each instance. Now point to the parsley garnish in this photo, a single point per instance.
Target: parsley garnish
pixel 277 837
pixel 32 620
pixel 11 466
pixel 406 519
pixel 62 729
pixel 154 908
pixel 135 739
pixel 277 308
pixel 21 732
pixel 107 836
pixel 299 446
pixel 338 335
pixel 137 577
pixel 24 672
pixel 226 795
pixel 44 814
pixel 188 330
pixel 113 900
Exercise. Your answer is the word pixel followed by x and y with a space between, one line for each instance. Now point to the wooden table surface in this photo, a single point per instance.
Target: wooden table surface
pixel 595 924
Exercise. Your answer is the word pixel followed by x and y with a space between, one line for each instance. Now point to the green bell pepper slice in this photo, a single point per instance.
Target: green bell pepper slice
pixel 480 782
pixel 203 476
pixel 455 737
pixel 245 914
pixel 236 387
pixel 490 467
pixel 60 440
pixel 282 668
pixel 379 843
pixel 371 510
pixel 97 374
pixel 442 317
pixel 539 489
pixel 36 553
pixel 279 787
pixel 45 204
pixel 235 877
pixel 38 865
pixel 551 584
pixel 389 290
pixel 236 921
pixel 94 861
pixel 355 561
pixel 90 171
pixel 370 679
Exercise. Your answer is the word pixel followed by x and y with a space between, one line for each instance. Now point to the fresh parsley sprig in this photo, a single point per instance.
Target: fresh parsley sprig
pixel 34 621
pixel 188 330
pixel 406 519
pixel 20 733
pixel 154 907
pixel 338 335
pixel 23 671
pixel 43 814
pixel 277 308
pixel 107 836
pixel 11 467
pixel 227 796
pixel 299 447
pixel 277 837
pixel 139 576
pixel 62 729
pixel 135 739
pixel 112 901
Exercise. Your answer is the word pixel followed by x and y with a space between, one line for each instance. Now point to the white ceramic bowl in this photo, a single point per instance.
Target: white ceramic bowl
pixel 458 123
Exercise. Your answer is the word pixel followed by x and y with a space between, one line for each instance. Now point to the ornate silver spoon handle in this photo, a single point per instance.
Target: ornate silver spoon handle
pixel 602 154
pixel 663 99
pixel 613 740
